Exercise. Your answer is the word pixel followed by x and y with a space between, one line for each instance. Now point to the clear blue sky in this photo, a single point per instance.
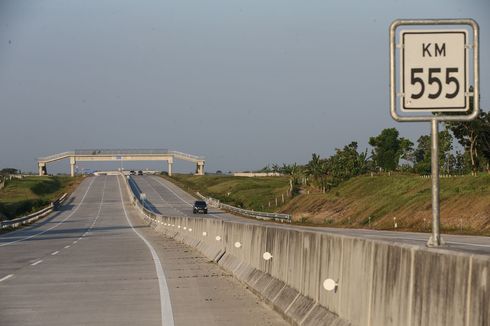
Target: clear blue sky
pixel 245 83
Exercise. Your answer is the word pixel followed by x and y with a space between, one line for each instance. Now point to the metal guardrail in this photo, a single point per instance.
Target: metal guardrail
pixel 258 215
pixel 14 223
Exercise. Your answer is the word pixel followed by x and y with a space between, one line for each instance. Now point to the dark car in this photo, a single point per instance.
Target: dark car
pixel 200 206
pixel 140 172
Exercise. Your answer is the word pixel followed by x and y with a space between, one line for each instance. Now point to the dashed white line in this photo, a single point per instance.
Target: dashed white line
pixel 66 247
pixel 6 277
pixel 37 262
pixel 55 253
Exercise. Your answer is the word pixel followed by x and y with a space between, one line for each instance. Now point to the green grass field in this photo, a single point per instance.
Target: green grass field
pixel 249 193
pixel 23 196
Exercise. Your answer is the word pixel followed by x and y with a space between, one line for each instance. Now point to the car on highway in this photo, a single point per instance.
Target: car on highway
pixel 200 206
pixel 140 172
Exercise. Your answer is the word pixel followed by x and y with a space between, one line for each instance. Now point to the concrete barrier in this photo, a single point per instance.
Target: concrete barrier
pixel 379 283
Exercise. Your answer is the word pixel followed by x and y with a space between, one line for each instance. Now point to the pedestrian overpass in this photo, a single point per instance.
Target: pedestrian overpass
pixel 120 155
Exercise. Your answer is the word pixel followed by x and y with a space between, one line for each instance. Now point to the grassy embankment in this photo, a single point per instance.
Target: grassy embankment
pixel 23 196
pixel 364 202
pixel 250 193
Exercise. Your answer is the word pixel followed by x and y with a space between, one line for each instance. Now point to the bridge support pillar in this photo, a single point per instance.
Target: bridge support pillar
pixel 72 166
pixel 170 168
pixel 42 169
pixel 200 168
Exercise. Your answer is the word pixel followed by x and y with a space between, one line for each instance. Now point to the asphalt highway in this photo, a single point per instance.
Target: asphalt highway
pixel 166 198
pixel 95 262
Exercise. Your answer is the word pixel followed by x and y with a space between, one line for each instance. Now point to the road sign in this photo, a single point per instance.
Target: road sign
pixel 434 76
pixel 434 70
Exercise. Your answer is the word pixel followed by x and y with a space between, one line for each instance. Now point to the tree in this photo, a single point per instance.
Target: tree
pixel 473 136
pixel 7 171
pixel 347 162
pixel 316 168
pixel 389 148
pixel 422 154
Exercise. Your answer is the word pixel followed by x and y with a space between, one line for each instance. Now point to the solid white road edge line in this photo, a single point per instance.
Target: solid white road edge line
pixel 56 225
pixel 163 184
pixel 6 277
pixel 165 303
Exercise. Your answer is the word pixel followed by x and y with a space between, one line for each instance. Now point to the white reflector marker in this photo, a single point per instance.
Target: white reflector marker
pixel 330 285
pixel 267 255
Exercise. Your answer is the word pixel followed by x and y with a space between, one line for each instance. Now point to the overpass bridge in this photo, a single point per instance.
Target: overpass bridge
pixel 118 155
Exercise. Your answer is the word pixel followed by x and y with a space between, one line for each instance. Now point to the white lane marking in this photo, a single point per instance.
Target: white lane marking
pixel 6 277
pixel 165 303
pixel 468 244
pixel 55 253
pixel 37 262
pixel 56 225
pixel 385 236
pixel 156 178
pixel 68 246
pixel 75 241
pixel 166 204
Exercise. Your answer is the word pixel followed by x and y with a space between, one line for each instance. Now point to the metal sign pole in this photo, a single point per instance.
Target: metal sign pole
pixel 435 240
pixel 417 49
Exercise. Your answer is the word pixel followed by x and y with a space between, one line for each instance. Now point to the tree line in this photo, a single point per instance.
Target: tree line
pixel 391 152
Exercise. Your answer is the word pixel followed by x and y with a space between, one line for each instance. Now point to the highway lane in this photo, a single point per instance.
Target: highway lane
pixel 168 199
pixel 96 262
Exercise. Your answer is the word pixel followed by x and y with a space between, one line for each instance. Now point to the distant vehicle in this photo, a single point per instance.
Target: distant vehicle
pixel 140 172
pixel 200 206
pixel 132 172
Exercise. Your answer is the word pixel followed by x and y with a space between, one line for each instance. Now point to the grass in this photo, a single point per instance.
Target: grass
pixel 251 193
pixel 381 201
pixel 23 196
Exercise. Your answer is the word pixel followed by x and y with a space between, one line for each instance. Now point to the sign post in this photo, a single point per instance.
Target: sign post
pixel 431 60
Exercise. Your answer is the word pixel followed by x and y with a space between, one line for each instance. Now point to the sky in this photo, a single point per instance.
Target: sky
pixel 243 83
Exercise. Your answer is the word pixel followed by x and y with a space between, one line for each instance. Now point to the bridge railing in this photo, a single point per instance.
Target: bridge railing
pixel 246 212
pixel 188 156
pixel 102 151
pixel 56 156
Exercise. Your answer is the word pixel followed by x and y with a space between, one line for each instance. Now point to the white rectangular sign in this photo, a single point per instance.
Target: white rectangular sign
pixel 434 70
